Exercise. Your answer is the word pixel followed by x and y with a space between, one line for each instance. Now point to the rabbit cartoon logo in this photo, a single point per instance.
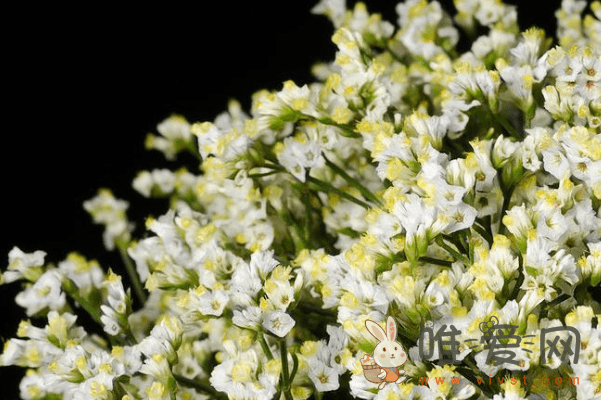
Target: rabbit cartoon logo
pixel 384 365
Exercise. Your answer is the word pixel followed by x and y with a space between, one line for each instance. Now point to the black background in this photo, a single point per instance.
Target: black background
pixel 83 87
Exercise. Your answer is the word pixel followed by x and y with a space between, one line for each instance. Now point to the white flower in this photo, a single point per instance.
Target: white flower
pixel 98 387
pixel 455 222
pixel 85 274
pixel 143 252
pixel 279 292
pixel 323 377
pixel 29 353
pixel 459 217
pixel 34 386
pixel 110 212
pixel 245 283
pixel 175 128
pixel 157 391
pixel 213 302
pixel 297 157
pixel 24 265
pixel 61 329
pixel 126 360
pixel 263 262
pixel 164 180
pixel 421 24
pixel 188 366
pixel 226 138
pixel 46 292
pixel 115 313
pixel 237 376
pixel 542 285
pixel 556 163
pixel 143 183
pixel 361 387
pixel 278 322
pixel 333 9
pixel 250 317
pixel 491 368
pixel 175 136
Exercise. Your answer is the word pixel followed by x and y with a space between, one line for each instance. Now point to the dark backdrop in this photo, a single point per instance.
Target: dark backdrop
pixel 83 87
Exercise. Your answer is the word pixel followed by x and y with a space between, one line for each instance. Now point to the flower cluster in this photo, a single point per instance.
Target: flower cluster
pixel 410 179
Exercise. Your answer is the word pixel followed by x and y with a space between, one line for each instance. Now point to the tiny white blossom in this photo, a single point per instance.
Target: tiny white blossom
pixel 324 378
pixel 46 292
pixel 278 322
pixel 24 265
pixel 249 317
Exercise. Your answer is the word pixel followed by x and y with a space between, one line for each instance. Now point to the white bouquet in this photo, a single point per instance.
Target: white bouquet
pixel 454 194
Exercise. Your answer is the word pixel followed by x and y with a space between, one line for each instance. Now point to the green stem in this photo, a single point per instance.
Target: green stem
pixel 417 59
pixel 474 368
pixel 435 261
pixel 507 193
pixel 271 165
pixel 456 255
pixel 199 386
pixel 294 367
pixel 130 335
pixel 326 187
pixel 520 280
pixel 265 347
pixel 308 308
pixel 546 306
pixel 287 217
pixel 133 274
pixel 464 243
pixel 347 129
pixel 393 54
pixel 487 225
pixel 352 181
pixel 308 217
pixel 285 374
pixel 467 373
pixel 457 242
pixel 466 234
pixel 192 149
pixel 71 289
pixel 500 118
pixel 507 125
pixel 483 233
pixel 452 143
pixel 260 175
